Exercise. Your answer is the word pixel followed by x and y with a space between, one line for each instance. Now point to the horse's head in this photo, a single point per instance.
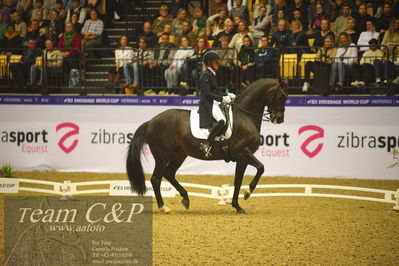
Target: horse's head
pixel 276 103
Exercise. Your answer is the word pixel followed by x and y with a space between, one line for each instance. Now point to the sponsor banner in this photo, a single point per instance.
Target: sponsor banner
pixel 319 141
pixel 9 185
pixel 94 231
pixel 192 101
pixel 122 188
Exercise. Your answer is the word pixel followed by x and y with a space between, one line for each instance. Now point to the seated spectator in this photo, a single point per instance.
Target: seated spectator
pixel 322 33
pixel 297 14
pixel 40 20
pixel 77 27
pixel 363 72
pixel 318 17
pixel 161 62
pixel 53 60
pixel 70 45
pixel 242 31
pixel 20 25
pixel 240 10
pixel 25 10
pixel 172 73
pixel 231 4
pixel 227 69
pixel 176 6
pixel 274 25
pixel 164 18
pixel 216 23
pixel 302 7
pixel 266 60
pixel 280 5
pixel 142 59
pixel 351 30
pixel 367 35
pixel 21 69
pixel 199 23
pixel 39 8
pixel 282 36
pixel 346 57
pixel 36 34
pixel 92 33
pixel 152 38
pixel 124 63
pixel 246 60
pixel 327 8
pixel 192 66
pixel 187 32
pixel 12 40
pixel 177 23
pixel 55 26
pixel 76 8
pixel 3 26
pixel 298 36
pixel 385 67
pixel 361 18
pixel 325 57
pixel 217 5
pixel 168 29
pixel 385 18
pixel 262 3
pixel 59 7
pixel 259 26
pixel 341 23
pixel 228 32
pixel 6 9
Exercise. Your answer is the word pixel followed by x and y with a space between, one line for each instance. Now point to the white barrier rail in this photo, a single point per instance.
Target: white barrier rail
pixel 222 193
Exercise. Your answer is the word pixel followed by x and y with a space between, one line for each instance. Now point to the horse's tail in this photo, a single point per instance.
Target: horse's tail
pixel 133 161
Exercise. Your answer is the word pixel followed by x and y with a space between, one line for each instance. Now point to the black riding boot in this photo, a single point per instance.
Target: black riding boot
pixel 214 131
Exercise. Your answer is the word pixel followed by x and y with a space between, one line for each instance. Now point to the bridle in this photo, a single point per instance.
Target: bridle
pixel 266 115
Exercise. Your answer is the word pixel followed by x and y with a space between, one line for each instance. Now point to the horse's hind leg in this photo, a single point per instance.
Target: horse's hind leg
pixel 156 179
pixel 170 175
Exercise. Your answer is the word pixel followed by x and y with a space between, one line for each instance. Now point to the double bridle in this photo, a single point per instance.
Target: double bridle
pixel 265 116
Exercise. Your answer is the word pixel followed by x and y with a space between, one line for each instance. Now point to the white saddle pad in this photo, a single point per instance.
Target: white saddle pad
pixel 203 133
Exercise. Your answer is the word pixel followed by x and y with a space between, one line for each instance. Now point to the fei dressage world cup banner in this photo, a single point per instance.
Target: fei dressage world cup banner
pixel 349 137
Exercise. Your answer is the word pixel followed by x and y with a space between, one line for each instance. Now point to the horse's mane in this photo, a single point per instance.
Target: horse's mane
pixel 258 84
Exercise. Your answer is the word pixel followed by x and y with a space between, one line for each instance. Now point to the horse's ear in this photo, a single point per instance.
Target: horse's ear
pixel 282 83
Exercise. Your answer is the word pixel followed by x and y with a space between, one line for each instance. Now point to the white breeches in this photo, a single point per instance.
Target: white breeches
pixel 216 112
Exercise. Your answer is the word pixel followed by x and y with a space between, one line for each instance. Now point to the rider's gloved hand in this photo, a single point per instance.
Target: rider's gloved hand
pixel 232 96
pixel 226 99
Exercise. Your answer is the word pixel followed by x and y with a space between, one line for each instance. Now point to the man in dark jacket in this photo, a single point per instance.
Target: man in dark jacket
pixel 211 97
pixel 162 59
pixel 21 69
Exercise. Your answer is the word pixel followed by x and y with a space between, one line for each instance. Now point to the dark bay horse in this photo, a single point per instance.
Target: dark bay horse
pixel 170 140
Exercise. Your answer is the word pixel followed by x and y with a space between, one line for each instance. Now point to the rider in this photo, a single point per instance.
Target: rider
pixel 211 97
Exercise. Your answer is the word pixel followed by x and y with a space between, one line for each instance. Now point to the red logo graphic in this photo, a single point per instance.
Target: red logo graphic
pixel 74 131
pixel 319 134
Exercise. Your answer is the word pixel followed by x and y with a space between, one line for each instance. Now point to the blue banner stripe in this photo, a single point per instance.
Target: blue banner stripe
pixel 193 101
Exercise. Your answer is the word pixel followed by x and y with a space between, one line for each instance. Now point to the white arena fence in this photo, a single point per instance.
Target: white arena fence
pixel 222 193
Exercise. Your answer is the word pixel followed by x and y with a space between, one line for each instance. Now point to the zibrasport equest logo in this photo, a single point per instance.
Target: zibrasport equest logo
pixel 319 134
pixel 74 130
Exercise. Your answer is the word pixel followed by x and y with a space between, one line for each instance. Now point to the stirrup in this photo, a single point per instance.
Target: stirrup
pixel 206 149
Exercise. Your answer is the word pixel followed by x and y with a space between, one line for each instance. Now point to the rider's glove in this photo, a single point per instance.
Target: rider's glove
pixel 232 96
pixel 226 99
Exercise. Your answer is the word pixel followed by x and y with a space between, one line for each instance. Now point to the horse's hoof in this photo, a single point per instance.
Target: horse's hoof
pixel 186 203
pixel 165 210
pixel 247 194
pixel 241 211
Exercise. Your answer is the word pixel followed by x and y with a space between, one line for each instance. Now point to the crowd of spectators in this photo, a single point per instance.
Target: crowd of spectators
pixel 355 37
pixel 45 28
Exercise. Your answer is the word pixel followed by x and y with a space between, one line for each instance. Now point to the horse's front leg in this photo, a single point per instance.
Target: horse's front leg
pixel 240 169
pixel 251 160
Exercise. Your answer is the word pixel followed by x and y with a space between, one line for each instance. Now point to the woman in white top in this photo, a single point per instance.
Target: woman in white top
pixel 237 40
pixel 216 23
pixel 172 74
pixel 124 60
pixel 346 56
